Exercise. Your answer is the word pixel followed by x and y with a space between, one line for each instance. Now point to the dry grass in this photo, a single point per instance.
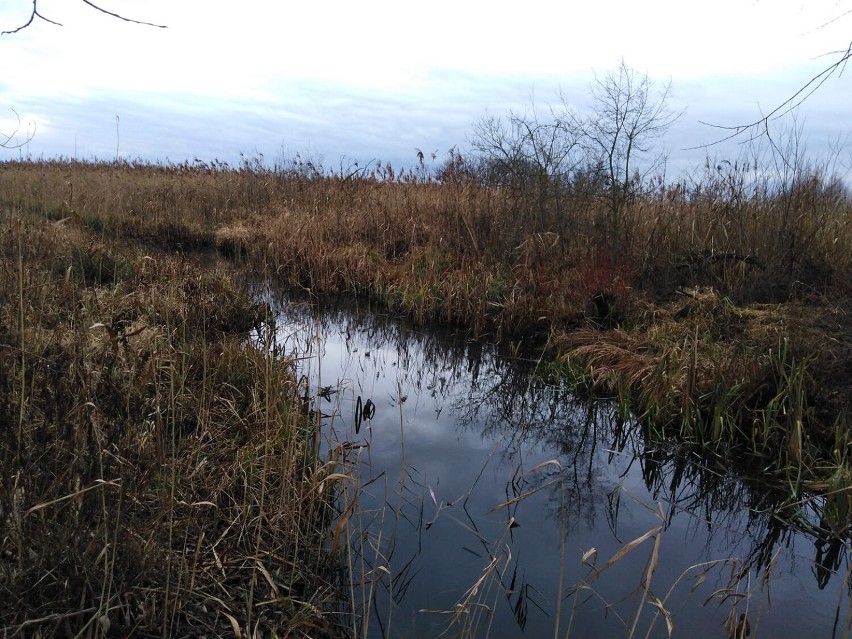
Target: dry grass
pixel 159 478
pixel 725 308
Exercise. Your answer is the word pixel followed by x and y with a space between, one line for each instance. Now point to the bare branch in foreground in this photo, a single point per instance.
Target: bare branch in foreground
pixel 120 17
pixel 35 14
pixel 8 143
pixel 760 126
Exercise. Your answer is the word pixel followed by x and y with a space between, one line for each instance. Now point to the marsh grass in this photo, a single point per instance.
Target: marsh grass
pixel 722 321
pixel 721 283
pixel 158 476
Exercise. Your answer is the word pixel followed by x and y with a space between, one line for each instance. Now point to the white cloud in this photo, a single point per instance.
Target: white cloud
pixel 374 78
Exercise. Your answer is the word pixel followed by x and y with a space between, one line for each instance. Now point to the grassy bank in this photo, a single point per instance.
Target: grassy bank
pixel 716 308
pixel 158 474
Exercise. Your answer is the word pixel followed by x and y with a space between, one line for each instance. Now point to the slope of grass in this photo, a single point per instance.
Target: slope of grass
pixel 158 473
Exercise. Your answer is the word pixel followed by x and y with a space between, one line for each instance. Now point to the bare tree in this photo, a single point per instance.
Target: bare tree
pixel 542 158
pixel 629 112
pixel 35 14
pixel 533 155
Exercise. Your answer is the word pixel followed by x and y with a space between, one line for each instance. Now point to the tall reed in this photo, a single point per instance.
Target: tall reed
pixel 158 478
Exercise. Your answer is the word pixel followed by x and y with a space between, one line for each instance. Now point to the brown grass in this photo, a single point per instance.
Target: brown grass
pixel 726 306
pixel 158 477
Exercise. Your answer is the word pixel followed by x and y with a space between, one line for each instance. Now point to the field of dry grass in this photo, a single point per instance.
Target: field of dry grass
pixel 159 476
pixel 720 317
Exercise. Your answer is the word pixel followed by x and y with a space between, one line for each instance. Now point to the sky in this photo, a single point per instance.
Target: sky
pixel 350 81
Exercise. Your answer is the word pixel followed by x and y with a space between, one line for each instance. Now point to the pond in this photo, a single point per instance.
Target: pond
pixel 483 502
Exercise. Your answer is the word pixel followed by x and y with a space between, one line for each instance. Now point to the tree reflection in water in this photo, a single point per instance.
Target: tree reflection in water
pixel 579 461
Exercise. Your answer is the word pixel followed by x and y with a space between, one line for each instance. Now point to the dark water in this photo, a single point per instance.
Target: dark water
pixel 479 490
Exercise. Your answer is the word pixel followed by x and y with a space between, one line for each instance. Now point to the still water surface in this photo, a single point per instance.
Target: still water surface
pixel 490 504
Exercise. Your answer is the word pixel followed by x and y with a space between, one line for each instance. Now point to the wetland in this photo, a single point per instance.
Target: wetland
pixel 487 501
pixel 458 417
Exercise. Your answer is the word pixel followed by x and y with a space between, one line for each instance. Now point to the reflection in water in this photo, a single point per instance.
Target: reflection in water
pixel 487 503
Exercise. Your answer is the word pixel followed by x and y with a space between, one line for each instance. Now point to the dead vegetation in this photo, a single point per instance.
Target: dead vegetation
pixel 725 261
pixel 147 437
pixel 158 475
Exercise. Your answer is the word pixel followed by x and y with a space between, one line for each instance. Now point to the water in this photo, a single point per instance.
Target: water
pixel 480 491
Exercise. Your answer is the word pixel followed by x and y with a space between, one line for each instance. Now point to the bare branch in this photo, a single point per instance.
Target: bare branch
pixel 833 20
pixel 8 143
pixel 120 17
pixel 630 112
pixel 761 126
pixel 35 14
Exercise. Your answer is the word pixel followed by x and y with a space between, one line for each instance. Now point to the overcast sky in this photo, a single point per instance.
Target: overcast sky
pixel 345 81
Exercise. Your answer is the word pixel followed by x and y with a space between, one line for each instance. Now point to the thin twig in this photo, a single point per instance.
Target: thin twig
pixel 35 14
pixel 49 618
pixel 790 104
pixel 121 17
